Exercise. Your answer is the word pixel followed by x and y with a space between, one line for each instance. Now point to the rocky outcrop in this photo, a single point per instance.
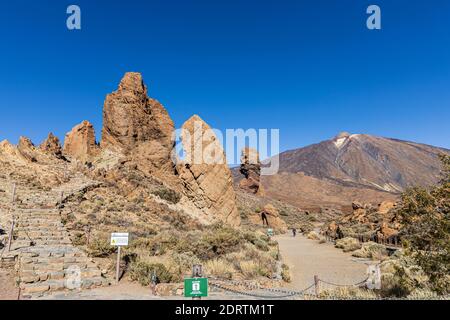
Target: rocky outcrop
pixel 133 120
pixel 251 170
pixel 376 223
pixel 27 149
pixel 273 216
pixel 80 142
pixel 52 146
pixel 204 173
pixel 385 207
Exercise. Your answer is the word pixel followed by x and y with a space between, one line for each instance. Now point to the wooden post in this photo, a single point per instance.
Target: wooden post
pixel 11 234
pixel 118 266
pixel 316 285
pixel 61 197
pixel 13 198
pixel 88 235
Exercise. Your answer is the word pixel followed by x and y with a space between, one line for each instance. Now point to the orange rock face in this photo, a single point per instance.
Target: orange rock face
pixel 274 219
pixel 27 149
pixel 131 118
pixel 80 142
pixel 205 175
pixel 385 207
pixel 51 146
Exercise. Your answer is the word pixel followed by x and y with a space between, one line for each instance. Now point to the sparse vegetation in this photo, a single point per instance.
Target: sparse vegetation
pixel 142 272
pixel 100 247
pixel 168 195
pixel 426 232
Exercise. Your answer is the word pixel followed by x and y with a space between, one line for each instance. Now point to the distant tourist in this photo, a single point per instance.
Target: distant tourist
pixel 264 218
pixel 294 232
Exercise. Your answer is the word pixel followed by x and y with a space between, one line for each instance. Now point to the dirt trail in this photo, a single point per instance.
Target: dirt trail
pixel 307 258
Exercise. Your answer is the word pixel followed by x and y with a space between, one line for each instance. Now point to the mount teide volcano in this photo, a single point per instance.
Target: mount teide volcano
pixel 352 167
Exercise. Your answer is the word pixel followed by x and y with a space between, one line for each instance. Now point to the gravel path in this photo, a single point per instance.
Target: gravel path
pixel 307 258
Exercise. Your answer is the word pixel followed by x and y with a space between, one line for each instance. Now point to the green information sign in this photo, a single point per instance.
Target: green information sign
pixel 195 287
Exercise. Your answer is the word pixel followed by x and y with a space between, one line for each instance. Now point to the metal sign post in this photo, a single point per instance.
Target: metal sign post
pixel 119 240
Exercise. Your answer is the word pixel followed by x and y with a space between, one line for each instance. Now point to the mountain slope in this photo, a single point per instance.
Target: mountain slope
pixel 385 164
pixel 352 167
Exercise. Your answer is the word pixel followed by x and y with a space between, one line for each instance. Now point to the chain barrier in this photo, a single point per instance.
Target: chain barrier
pixel 358 284
pixel 286 293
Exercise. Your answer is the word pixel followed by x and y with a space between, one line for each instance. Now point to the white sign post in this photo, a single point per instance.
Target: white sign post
pixel 119 240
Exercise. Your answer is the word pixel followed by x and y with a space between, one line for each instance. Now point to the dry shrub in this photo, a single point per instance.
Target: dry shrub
pixel 371 250
pixel 285 274
pixel 220 268
pixel 142 272
pixel 100 247
pixel 348 244
pixel 249 269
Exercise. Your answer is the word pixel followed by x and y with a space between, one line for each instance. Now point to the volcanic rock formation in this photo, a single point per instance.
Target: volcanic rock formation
pixel 80 142
pixel 52 146
pixel 130 118
pixel 205 174
pixel 27 149
pixel 251 170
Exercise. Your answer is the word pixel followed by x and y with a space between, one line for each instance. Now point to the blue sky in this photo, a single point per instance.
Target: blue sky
pixel 310 68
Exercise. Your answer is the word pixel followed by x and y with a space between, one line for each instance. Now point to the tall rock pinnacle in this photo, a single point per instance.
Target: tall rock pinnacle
pixel 131 118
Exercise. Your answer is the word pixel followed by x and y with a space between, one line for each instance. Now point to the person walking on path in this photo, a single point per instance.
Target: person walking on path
pixel 264 218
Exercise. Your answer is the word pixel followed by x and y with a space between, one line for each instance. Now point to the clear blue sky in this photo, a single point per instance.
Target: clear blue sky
pixel 310 68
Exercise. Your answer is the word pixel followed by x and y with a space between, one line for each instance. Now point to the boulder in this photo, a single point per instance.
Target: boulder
pixel 205 175
pixel 386 232
pixel 80 142
pixel 357 205
pixel 331 230
pixel 131 118
pixel 385 207
pixel 313 235
pixel 251 170
pixel 273 216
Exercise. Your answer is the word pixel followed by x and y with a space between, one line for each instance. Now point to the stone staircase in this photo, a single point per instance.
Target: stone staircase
pixel 46 259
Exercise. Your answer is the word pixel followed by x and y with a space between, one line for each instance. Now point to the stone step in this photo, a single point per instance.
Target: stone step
pixel 57 285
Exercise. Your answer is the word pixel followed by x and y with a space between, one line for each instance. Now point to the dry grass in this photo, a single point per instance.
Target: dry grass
pixel 220 268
